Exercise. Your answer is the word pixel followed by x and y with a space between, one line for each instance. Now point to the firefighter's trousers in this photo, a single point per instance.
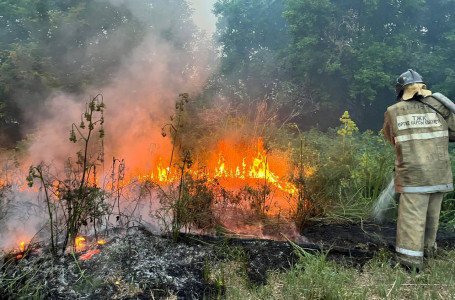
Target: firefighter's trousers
pixel 418 220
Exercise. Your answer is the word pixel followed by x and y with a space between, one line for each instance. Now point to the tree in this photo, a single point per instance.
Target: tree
pixel 63 45
pixel 252 33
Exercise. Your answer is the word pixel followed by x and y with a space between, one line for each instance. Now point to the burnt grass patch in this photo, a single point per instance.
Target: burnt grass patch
pixel 140 265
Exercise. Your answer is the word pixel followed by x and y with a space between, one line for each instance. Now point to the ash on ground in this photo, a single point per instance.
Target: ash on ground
pixel 136 264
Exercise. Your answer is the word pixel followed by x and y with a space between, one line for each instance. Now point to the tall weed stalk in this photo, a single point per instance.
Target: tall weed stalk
pixel 78 196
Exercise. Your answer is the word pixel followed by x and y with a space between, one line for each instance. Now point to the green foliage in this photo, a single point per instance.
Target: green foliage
pixel 324 55
pixel 316 277
pixel 245 27
pixel 447 217
pixel 341 183
pixel 252 34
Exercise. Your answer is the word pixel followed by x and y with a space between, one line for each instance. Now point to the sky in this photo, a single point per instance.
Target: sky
pixel 203 16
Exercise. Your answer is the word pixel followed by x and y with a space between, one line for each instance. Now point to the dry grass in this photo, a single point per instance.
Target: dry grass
pixel 316 278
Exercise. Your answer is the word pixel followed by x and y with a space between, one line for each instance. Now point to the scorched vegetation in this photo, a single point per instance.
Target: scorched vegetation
pixel 240 167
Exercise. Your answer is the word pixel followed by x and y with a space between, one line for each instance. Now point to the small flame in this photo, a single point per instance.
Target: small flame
pixel 22 246
pixel 101 242
pixel 80 241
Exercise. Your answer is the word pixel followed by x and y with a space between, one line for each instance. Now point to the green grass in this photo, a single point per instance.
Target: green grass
pixel 315 277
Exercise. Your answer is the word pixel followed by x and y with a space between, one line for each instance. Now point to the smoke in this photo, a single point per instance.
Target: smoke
pixel 172 58
pixel 384 204
pixel 141 96
pixel 21 218
pixel 203 16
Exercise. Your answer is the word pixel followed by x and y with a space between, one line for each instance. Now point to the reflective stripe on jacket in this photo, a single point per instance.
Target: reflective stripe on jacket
pixel 421 137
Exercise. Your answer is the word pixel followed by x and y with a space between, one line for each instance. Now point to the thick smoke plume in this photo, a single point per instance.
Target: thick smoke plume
pixel 139 99
pixel 172 58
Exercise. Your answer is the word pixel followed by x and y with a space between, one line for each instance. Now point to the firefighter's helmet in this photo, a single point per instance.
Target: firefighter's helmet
pixel 408 77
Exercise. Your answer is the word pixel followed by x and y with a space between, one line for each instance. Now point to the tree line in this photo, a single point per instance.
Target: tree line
pixel 310 59
pixel 325 56
pixel 72 46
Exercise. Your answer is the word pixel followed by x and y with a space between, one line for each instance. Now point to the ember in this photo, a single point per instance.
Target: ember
pixel 21 250
pixel 89 254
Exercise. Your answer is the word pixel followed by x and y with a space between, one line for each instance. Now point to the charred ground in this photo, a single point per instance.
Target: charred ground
pixel 136 264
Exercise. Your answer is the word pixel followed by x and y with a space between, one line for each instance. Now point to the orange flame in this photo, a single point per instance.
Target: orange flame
pixel 234 165
pixel 101 242
pixel 235 162
pixel 252 165
pixel 22 246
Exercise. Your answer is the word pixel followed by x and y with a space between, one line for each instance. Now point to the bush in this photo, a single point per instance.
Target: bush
pixel 341 172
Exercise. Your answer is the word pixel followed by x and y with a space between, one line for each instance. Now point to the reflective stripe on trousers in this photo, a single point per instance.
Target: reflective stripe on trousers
pixel 409 252
pixel 425 189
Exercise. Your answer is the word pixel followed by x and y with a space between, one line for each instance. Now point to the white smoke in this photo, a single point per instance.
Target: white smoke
pixel 203 16
pixel 139 100
pixel 385 202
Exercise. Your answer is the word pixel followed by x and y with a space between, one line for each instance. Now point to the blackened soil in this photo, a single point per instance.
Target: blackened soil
pixel 367 237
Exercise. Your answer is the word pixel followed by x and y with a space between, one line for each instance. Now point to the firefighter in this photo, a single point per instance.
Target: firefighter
pixel 419 126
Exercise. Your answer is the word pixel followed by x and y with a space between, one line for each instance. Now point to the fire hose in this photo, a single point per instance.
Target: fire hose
pixel 389 196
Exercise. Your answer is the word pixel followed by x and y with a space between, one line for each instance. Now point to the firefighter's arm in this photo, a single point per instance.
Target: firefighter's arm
pixel 451 124
pixel 449 117
pixel 445 108
pixel 387 129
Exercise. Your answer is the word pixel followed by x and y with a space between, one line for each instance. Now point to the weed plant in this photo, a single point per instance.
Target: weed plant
pixel 186 207
pixel 447 217
pixel 75 201
pixel 188 203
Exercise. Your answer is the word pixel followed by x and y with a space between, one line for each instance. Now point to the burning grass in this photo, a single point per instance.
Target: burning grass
pixel 249 187
pixel 198 188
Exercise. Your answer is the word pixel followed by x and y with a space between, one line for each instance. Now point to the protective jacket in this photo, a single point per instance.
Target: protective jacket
pixel 420 130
